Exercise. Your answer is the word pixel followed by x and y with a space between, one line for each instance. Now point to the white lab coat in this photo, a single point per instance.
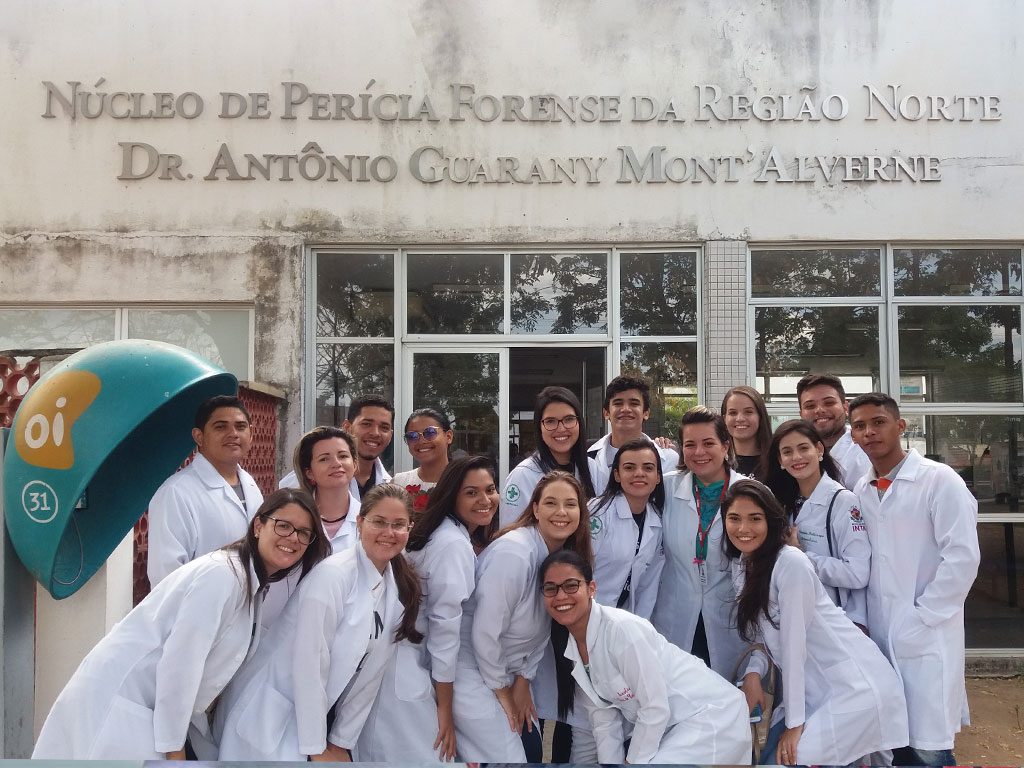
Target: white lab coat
pixel 613 531
pixel 194 512
pixel 313 656
pixel 603 454
pixel 835 682
pixel 676 710
pixel 291 480
pixel 505 629
pixel 852 461
pixel 682 598
pixel 159 668
pixel 924 557
pixel 847 572
pixel 519 487
pixel 446 566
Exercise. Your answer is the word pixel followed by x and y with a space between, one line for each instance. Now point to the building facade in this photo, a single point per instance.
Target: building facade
pixel 459 203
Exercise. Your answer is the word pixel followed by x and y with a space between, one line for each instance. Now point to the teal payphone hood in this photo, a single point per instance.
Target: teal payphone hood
pixel 90 444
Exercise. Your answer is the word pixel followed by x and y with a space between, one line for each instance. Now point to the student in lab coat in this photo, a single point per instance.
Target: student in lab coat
pixel 824 517
pixel 627 405
pixel 162 666
pixel 693 609
pixel 326 654
pixel 209 503
pixel 922 521
pixel 560 430
pixel 841 700
pixel 625 525
pixel 325 462
pixel 750 430
pixel 637 685
pixel 505 627
pixel 418 688
pixel 823 404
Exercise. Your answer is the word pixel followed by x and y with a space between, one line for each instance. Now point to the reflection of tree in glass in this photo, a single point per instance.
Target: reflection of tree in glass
pixel 664 365
pixel 465 387
pixel 797 340
pixel 345 371
pixel 559 293
pixel 456 293
pixel 967 354
pixel 658 294
pixel 355 295
pixel 828 272
pixel 54 328
pixel 188 329
pixel 957 272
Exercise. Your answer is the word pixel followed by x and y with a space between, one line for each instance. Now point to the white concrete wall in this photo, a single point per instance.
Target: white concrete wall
pixel 60 174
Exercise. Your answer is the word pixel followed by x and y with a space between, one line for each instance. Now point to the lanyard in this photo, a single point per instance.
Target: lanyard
pixel 702 533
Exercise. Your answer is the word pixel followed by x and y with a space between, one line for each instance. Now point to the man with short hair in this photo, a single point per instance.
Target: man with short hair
pixel 627 405
pixel 370 421
pixel 823 403
pixel 208 503
pixel 922 525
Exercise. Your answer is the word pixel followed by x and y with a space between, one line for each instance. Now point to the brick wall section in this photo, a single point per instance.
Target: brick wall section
pixel 725 317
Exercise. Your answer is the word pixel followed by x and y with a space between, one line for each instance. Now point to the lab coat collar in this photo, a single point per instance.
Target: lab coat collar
pixel 368 571
pixel 622 510
pixel 594 626
pixel 823 491
pixel 211 477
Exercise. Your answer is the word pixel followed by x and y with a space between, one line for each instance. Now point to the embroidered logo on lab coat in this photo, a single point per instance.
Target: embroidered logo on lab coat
pixel 596 525
pixel 857 520
pixel 625 694
pixel 512 493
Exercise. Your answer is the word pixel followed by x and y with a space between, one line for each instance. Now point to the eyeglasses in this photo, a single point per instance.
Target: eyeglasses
pixel 569 586
pixel 380 524
pixel 429 434
pixel 284 529
pixel 551 423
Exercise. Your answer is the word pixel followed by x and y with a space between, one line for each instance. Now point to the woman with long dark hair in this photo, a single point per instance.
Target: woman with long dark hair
pixel 505 628
pixel 750 430
pixel 163 665
pixel 625 525
pixel 308 689
pixel 420 684
pixel 675 708
pixel 824 517
pixel 841 700
pixel 696 594
pixel 559 429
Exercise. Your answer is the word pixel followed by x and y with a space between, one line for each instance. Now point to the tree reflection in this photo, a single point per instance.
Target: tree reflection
pixel 465 388
pixel 825 272
pixel 456 293
pixel 667 368
pixel 957 272
pixel 345 371
pixel 355 295
pixel 559 293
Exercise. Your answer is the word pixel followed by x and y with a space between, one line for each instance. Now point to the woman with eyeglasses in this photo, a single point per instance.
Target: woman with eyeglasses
pixel 638 686
pixel 428 436
pixel 151 680
pixel 325 462
pixel 559 430
pixel 421 688
pixel 841 699
pixel 505 628
pixel 308 689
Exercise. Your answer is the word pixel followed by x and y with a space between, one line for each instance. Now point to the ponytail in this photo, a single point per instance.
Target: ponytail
pixel 410 594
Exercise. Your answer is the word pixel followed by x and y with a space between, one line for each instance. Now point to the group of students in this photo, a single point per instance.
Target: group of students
pixel 635 600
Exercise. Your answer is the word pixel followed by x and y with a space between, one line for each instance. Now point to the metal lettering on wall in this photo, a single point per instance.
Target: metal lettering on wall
pixel 437 164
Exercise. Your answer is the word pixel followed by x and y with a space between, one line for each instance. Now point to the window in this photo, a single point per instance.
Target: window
pixel 218 334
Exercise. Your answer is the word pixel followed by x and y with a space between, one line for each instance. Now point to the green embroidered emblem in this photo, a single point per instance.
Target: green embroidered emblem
pixel 596 525
pixel 512 493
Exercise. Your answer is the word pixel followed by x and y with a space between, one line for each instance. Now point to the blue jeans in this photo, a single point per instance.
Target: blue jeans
pixel 914 756
pixel 771 744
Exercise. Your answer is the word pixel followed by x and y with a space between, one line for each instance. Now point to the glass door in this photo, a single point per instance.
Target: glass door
pixel 469 386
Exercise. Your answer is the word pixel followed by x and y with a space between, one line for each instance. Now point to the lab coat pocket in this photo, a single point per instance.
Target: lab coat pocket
pixel 849 690
pixel 126 733
pixel 913 638
pixel 412 680
pixel 263 720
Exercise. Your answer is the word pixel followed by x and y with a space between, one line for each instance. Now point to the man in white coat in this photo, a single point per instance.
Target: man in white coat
pixel 823 403
pixel 209 503
pixel 922 524
pixel 627 405
pixel 371 421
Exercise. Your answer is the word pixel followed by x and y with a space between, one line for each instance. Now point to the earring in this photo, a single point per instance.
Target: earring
pixel 821 457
